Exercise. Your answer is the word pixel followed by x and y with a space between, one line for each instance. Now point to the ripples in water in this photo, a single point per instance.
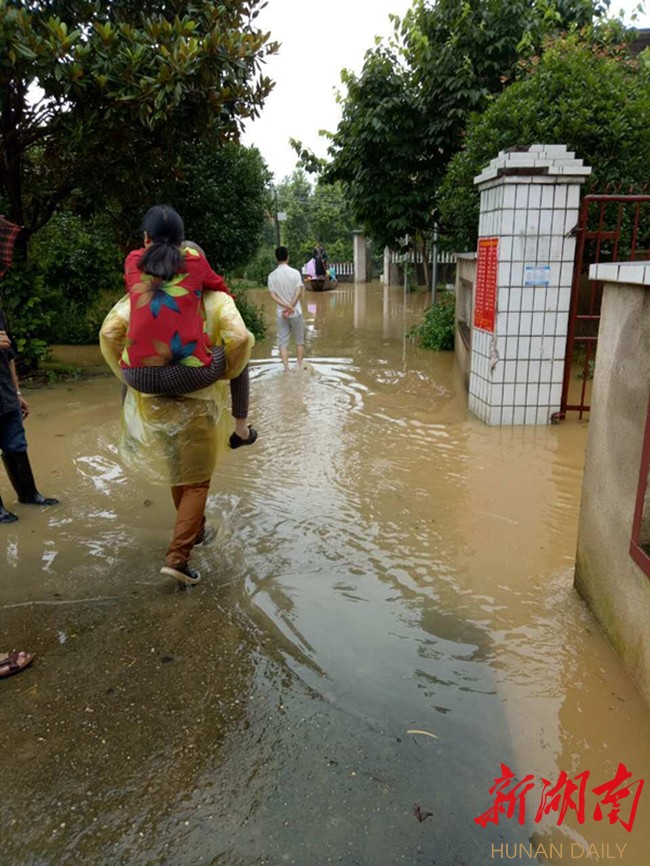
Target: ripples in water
pixel 383 563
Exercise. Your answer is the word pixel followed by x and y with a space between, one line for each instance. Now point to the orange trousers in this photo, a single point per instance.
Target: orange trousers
pixel 190 500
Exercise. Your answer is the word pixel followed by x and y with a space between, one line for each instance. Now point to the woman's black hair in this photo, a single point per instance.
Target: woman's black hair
pixel 162 258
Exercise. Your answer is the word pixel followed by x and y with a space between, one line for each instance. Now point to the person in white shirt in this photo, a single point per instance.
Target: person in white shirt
pixel 286 288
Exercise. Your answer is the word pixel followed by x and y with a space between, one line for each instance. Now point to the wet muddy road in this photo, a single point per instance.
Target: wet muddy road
pixel 385 564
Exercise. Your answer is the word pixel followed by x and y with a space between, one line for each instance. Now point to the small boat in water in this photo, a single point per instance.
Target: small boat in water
pixel 317 276
pixel 319 284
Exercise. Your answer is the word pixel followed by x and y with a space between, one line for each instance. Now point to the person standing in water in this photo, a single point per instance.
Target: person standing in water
pixel 286 288
pixel 14 409
pixel 172 438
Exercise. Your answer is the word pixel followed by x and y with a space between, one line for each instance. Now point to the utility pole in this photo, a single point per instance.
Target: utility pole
pixel 407 240
pixel 277 221
pixel 434 269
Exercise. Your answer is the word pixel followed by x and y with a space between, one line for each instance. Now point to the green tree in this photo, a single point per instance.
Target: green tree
pixel 315 214
pixel 294 196
pixel 404 116
pixel 591 97
pixel 224 199
pixel 375 152
pixel 95 98
pixel 332 221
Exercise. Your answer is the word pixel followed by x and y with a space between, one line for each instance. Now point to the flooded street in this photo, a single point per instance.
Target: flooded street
pixel 386 617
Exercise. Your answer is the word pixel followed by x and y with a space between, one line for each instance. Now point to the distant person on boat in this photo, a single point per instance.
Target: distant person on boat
pixel 317 268
pixel 286 288
pixel 320 261
pixel 310 269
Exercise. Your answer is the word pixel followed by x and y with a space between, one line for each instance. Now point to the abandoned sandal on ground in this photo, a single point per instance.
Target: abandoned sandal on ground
pixel 237 442
pixel 182 573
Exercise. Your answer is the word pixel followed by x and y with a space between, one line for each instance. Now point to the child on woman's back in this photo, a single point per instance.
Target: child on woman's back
pixel 167 350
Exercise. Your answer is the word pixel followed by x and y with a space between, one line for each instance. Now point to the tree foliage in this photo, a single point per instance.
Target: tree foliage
pixel 78 259
pixel 95 98
pixel 224 198
pixel 375 155
pixel 315 214
pixel 590 97
pixel 404 116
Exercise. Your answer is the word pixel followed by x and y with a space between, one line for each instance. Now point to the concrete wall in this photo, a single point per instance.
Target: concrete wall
pixel 613 585
pixel 465 279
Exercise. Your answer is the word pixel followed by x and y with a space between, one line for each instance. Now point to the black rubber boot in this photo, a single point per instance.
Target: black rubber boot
pixel 6 516
pixel 21 476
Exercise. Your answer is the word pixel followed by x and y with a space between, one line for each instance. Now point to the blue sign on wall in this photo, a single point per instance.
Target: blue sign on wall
pixel 537 275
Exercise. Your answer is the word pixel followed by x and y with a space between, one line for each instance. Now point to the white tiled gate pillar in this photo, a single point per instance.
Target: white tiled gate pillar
pixel 530 199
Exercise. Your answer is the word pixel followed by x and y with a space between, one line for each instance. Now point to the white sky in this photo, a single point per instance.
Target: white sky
pixel 319 38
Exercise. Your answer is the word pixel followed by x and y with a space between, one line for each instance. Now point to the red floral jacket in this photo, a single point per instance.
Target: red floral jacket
pixel 166 326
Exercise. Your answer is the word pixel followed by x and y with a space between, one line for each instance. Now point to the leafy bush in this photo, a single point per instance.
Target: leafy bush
pixel 77 258
pixel 241 284
pixel 252 315
pixel 54 372
pixel 80 266
pixel 261 266
pixel 78 324
pixel 23 299
pixel 437 329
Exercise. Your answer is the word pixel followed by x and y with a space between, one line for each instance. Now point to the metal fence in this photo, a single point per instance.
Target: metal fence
pixel 611 228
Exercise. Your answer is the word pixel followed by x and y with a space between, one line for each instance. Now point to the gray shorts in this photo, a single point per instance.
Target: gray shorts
pixel 295 325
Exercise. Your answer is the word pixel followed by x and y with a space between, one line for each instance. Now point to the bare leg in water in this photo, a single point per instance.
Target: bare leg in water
pixel 284 355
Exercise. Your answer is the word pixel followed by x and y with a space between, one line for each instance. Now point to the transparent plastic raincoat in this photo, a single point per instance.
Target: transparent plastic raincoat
pixel 179 440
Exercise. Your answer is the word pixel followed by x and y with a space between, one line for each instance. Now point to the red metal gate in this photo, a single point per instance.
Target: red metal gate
pixel 611 228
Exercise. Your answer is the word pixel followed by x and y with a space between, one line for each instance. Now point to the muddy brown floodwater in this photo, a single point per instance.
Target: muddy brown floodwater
pixel 384 564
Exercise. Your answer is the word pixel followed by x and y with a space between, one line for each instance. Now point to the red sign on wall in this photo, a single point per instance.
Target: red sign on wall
pixel 485 303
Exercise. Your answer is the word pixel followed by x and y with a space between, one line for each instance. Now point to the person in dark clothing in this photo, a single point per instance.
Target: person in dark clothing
pixel 320 260
pixel 13 444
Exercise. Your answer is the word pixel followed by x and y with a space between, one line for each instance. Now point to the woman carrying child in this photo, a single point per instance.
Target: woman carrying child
pixel 173 340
